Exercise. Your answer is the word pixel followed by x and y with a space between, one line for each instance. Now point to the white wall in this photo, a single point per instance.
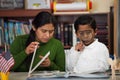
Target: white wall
pixel 101 5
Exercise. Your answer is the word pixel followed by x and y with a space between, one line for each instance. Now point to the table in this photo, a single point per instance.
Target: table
pixel 18 76
pixel 23 76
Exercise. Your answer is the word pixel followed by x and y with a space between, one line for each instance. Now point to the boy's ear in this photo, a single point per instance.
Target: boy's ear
pixel 96 31
pixel 76 34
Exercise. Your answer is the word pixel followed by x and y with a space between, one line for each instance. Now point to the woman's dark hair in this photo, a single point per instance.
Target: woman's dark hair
pixel 40 19
pixel 85 20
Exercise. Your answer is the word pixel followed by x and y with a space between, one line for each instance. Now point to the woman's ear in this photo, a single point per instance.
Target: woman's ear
pixel 33 28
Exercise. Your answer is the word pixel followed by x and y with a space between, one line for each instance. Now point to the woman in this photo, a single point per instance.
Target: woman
pixel 41 34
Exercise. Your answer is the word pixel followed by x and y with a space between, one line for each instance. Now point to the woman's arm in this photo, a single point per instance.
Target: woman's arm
pixel 18 52
pixel 59 62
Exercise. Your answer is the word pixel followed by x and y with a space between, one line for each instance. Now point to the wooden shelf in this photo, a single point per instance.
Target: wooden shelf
pixel 78 13
pixel 24 14
pixel 21 12
pixel 33 12
pixel 70 12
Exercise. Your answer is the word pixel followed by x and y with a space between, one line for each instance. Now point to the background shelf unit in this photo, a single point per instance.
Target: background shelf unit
pixel 103 24
pixel 103 21
pixel 21 12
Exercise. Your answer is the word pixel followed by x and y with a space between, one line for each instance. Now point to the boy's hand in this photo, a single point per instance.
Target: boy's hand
pixel 79 46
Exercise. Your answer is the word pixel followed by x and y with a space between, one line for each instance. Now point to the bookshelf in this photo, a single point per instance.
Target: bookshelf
pixel 103 24
pixel 21 12
pixel 15 17
pixel 103 20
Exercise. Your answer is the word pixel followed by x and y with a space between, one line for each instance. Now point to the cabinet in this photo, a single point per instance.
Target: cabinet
pixel 65 21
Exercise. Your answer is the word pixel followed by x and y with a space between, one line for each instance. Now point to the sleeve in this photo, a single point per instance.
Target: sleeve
pixel 72 58
pixel 96 62
pixel 18 52
pixel 59 62
pixel 103 63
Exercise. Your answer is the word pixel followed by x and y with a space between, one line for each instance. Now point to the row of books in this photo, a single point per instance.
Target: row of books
pixel 11 28
pixel 65 32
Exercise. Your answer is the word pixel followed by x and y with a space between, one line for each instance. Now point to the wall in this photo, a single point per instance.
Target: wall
pixel 101 5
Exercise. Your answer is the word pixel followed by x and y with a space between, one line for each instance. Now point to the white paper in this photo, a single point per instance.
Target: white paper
pixel 32 59
pixel 40 61
pixel 99 75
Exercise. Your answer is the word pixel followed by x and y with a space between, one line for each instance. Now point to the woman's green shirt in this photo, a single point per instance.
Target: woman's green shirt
pixel 57 54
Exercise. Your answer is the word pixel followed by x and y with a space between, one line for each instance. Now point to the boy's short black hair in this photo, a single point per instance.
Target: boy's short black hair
pixel 85 20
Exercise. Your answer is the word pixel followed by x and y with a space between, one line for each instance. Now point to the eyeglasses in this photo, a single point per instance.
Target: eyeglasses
pixel 87 32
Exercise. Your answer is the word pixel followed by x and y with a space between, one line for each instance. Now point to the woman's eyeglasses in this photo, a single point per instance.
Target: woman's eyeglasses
pixel 86 32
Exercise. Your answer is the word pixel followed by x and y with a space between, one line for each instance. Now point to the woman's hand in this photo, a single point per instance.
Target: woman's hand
pixel 46 62
pixel 79 46
pixel 31 47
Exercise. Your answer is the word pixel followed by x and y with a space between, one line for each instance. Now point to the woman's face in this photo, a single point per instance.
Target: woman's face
pixel 44 33
pixel 86 34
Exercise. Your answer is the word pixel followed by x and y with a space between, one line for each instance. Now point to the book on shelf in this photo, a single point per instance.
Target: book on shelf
pixel 1 32
pixel 64 32
pixel 11 4
pixel 57 32
pixel 102 32
pixel 74 37
pixel 37 4
pixel 100 26
pixel 10 31
pixel 70 34
pixel 101 36
pixel 67 34
pixel 13 28
pixel 6 33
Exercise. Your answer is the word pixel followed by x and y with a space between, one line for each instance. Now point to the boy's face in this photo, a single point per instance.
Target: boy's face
pixel 86 34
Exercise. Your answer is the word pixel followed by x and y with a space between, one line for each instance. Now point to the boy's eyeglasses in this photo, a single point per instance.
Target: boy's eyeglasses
pixel 87 32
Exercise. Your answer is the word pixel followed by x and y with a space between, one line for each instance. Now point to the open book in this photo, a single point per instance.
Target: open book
pixel 94 75
pixel 58 74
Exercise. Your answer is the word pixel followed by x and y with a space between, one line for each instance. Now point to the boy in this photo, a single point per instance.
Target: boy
pixel 89 55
